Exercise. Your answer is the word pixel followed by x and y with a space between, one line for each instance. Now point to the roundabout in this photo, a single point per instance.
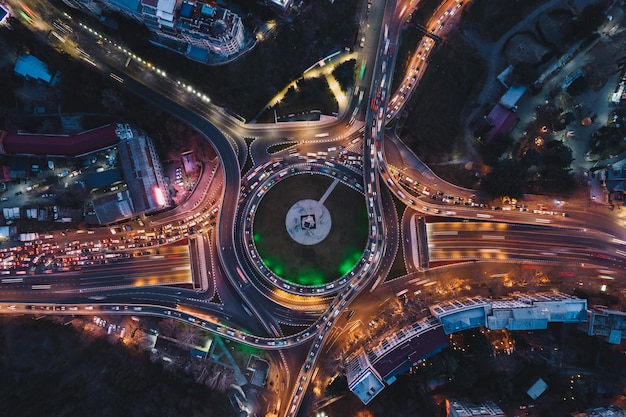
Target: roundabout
pixel 307 230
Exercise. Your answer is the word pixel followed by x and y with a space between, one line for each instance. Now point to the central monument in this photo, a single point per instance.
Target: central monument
pixel 308 222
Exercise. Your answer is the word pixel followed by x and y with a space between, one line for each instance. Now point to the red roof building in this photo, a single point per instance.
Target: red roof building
pixel 72 145
pixel 502 121
pixel 5 174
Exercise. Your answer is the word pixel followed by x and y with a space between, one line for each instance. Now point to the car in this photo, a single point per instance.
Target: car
pixel 18 193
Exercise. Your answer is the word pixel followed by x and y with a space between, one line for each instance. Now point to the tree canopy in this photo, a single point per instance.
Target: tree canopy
pixel 507 179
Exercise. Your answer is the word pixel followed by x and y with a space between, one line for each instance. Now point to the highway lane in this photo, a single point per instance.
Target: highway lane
pixel 500 242
pixel 169 268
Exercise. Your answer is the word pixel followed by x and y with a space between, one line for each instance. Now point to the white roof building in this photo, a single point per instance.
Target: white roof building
pixel 607 324
pixel 464 408
pixel 363 380
pixel 189 27
pixel 512 96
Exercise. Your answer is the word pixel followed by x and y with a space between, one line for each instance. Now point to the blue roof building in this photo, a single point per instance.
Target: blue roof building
pixel 458 315
pixel 29 67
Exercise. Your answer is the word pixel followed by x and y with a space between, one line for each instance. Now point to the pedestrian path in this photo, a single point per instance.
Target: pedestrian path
pixel 328 191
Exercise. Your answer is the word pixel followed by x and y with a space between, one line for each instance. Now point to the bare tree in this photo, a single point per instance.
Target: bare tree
pixel 168 327
pixel 227 378
pixel 188 335
pixel 143 340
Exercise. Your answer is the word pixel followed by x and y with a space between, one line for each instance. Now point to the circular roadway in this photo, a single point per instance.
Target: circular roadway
pixel 270 192
pixel 309 251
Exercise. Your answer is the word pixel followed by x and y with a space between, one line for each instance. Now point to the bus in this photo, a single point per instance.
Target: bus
pixel 41 287
pixel 117 78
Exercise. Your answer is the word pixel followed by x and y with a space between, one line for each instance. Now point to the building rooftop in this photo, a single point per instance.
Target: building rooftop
pixel 450 306
pixel 610 411
pixel 465 408
pixel 112 208
pixel 537 389
pixel 281 4
pixel 201 17
pixel 512 96
pixel 523 317
pixel 28 66
pixel 74 144
pixel 142 171
pixel 131 5
pixel 362 380
pixel 502 121
pixel 606 323
pixel 104 178
pixel 457 315
pixel 545 296
pixel 401 356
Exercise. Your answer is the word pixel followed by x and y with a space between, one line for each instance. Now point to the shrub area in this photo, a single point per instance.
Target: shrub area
pixel 53 370
pixel 433 125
